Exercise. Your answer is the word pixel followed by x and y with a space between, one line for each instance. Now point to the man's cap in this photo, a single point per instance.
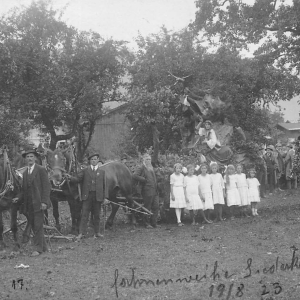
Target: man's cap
pixel 33 150
pixel 92 155
pixel 271 147
pixel 124 156
pixel 208 122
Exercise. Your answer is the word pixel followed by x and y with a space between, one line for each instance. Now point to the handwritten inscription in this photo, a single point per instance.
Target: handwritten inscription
pixel 18 284
pixel 215 274
pixel 221 290
pixel 276 266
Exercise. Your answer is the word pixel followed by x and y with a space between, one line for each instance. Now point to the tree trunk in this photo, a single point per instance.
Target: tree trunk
pixel 155 135
pixel 84 138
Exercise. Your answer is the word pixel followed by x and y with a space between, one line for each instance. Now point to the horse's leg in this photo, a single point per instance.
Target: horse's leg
pixel 2 244
pixel 78 208
pixel 14 224
pixel 130 205
pixel 56 213
pixel 26 233
pixel 46 217
pixel 72 205
pixel 114 210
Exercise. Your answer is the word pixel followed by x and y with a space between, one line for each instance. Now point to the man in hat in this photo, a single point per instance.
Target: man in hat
pixel 262 171
pixel 271 168
pixel 289 176
pixel 124 159
pixel 35 196
pixel 296 160
pixel 146 176
pixel 93 193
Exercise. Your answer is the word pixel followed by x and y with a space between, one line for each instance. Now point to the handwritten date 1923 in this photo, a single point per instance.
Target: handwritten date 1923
pixel 221 290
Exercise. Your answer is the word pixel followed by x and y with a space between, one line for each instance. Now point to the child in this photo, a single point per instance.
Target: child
pixel 232 193
pixel 218 190
pixel 177 192
pixel 253 186
pixel 243 189
pixel 192 196
pixel 205 192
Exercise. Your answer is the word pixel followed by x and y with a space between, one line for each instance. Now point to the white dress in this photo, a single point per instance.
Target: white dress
pixel 217 188
pixel 205 184
pixel 233 196
pixel 177 182
pixel 191 184
pixel 253 185
pixel 243 189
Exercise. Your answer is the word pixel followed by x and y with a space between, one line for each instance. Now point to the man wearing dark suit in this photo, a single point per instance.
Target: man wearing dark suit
pixel 146 176
pixel 93 193
pixel 35 198
pixel 271 168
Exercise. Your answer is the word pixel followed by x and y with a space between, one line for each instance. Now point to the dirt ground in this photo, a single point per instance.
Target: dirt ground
pixel 245 258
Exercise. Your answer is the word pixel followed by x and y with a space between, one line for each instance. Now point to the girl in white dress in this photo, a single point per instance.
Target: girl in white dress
pixel 205 185
pixel 232 193
pixel 218 190
pixel 253 186
pixel 177 192
pixel 192 197
pixel 243 189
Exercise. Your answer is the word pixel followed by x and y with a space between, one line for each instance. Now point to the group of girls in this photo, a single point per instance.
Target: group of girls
pixel 207 192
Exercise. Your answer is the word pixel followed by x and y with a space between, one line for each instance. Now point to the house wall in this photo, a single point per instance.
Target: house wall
pixel 109 131
pixel 291 134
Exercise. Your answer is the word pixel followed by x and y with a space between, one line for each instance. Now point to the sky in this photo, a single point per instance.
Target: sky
pixel 124 19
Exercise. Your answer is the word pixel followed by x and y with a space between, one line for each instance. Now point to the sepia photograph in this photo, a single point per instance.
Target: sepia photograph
pixel 149 149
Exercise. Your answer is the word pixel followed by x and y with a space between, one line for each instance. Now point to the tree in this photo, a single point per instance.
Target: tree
pixel 152 117
pixel 244 84
pixel 10 128
pixel 56 75
pixel 273 25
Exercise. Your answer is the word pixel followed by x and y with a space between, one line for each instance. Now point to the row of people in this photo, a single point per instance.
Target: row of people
pixel 35 196
pixel 207 192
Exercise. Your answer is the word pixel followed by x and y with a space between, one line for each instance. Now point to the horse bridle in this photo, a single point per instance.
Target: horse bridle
pixel 10 176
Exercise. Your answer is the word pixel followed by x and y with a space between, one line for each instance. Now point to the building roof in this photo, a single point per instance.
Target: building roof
pixel 116 109
pixel 289 126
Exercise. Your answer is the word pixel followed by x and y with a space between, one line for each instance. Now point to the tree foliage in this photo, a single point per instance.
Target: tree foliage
pixel 55 74
pixel 274 25
pixel 11 127
pixel 152 116
pixel 246 85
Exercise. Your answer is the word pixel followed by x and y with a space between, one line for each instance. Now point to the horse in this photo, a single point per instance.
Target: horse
pixel 62 189
pixel 118 180
pixel 10 181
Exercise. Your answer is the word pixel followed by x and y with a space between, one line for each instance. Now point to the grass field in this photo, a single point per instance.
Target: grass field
pixel 245 258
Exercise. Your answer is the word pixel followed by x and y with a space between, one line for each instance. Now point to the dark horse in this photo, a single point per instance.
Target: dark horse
pixel 10 187
pixel 62 189
pixel 118 180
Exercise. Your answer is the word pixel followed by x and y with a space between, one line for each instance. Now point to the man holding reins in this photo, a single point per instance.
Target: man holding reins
pixel 93 193
pixel 35 196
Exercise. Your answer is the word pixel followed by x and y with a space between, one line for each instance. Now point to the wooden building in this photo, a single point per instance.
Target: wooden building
pixel 109 131
pixel 291 130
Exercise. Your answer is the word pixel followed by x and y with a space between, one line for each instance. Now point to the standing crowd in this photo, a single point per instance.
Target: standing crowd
pixel 209 191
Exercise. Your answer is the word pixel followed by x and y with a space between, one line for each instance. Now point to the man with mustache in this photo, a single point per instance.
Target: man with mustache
pixel 35 196
pixel 94 192
pixel 146 176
